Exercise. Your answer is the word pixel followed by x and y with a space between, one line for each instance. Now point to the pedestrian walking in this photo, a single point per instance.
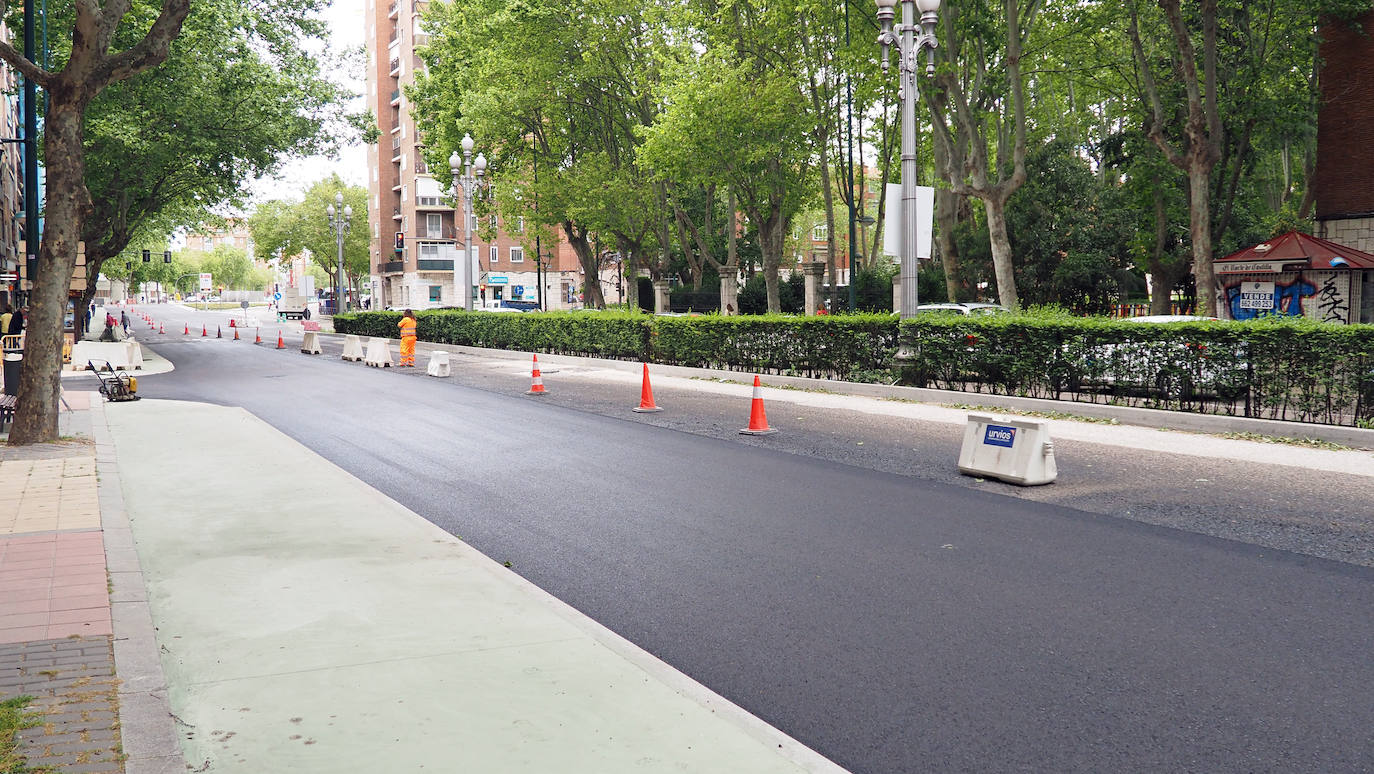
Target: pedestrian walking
pixel 17 321
pixel 407 326
pixel 124 321
pixel 109 333
pixel 6 317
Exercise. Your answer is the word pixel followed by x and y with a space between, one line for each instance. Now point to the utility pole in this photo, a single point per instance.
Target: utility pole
pixel 31 236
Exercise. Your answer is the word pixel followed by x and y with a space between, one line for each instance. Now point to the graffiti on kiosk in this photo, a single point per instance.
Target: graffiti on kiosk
pixel 1318 295
pixel 1287 299
pixel 1332 304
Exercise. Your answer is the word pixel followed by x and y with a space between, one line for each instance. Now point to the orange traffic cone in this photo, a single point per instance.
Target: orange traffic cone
pixel 161 329
pixel 281 343
pixel 219 332
pixel 231 323
pixel 758 420
pixel 236 333
pixel 204 332
pixel 646 396
pixel 537 388
pixel 187 332
pixel 257 339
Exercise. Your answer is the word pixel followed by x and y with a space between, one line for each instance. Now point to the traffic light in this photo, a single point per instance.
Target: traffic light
pixel 166 256
pixel 147 256
pixel 400 242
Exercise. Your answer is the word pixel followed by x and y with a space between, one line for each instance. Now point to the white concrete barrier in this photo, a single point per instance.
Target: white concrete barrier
pixel 378 353
pixel 353 348
pixel 121 355
pixel 135 356
pixel 310 345
pixel 438 364
pixel 1018 451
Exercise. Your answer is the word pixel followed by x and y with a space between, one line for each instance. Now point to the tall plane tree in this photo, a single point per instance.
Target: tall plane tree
pixel 92 63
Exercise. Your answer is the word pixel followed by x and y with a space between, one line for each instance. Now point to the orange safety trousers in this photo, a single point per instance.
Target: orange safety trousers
pixel 408 350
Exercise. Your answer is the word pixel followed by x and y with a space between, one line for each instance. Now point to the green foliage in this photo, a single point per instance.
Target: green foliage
pixel 235 99
pixel 753 297
pixel 1273 368
pixel 1070 231
pixel 289 228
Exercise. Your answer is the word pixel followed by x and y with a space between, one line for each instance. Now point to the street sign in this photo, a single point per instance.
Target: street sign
pixel 206 281
pixel 243 304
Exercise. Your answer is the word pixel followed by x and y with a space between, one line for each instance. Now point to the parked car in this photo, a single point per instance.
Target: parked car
pixel 967 309
pixel 1172 370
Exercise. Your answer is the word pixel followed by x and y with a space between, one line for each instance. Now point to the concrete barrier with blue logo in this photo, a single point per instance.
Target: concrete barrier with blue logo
pixel 1017 450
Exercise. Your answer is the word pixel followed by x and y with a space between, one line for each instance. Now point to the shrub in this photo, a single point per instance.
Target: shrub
pixel 1276 368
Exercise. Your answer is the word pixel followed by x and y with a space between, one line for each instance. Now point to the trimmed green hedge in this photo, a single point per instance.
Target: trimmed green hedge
pixel 1274 368
pixel 1278 368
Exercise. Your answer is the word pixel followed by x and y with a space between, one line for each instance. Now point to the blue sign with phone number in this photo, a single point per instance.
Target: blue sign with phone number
pixel 997 435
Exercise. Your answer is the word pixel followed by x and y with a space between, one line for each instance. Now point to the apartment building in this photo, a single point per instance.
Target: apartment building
pixel 233 233
pixel 415 235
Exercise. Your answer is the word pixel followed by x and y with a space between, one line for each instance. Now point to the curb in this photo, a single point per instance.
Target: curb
pixel 148 734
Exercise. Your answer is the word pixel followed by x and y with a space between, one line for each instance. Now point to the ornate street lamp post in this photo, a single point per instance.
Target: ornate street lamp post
pixel 341 220
pixel 909 39
pixel 470 175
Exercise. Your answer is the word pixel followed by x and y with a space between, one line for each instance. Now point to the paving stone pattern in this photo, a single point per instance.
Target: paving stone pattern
pixel 74 688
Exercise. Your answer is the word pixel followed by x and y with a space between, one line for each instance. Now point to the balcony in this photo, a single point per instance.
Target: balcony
pixel 434 264
pixel 392 9
pixel 430 203
pixel 395 66
pixel 396 97
pixel 393 267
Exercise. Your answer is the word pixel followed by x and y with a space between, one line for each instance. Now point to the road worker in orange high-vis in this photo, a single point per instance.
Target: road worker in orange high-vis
pixel 407 326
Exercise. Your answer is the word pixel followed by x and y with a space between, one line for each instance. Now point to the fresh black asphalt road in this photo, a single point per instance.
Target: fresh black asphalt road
pixel 892 622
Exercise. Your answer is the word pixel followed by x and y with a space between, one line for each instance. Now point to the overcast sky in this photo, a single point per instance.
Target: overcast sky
pixel 345 18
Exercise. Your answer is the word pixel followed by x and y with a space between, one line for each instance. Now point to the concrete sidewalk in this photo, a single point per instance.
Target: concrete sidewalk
pixel 308 623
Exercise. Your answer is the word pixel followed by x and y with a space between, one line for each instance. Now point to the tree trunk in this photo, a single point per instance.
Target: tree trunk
pixel 947 217
pixel 1163 275
pixel 67 202
pixel 1200 228
pixel 772 233
pixel 586 257
pixel 996 210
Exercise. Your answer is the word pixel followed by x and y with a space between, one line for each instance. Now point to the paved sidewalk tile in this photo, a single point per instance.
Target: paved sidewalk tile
pixel 53 585
pixel 74 688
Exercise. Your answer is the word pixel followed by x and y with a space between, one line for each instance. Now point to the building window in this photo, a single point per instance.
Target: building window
pixel 434 225
pixel 520 224
pixel 494 222
pixel 819 233
pixel 436 293
pixel 429 250
pixel 517 255
pixel 495 253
